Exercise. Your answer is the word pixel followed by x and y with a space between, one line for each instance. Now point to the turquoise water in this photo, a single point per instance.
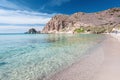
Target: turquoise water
pixel 33 57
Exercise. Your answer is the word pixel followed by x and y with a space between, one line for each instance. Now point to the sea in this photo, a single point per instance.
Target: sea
pixel 37 56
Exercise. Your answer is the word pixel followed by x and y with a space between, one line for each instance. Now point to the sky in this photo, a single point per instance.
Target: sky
pixel 17 16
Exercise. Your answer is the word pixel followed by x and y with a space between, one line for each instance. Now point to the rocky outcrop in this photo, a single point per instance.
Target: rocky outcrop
pixel 55 24
pixel 32 31
pixel 68 23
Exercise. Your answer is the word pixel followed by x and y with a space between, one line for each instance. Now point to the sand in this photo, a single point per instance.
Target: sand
pixel 117 36
pixel 110 68
pixel 102 63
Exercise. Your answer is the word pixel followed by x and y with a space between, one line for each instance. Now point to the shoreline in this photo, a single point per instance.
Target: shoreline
pixel 91 67
pixel 116 36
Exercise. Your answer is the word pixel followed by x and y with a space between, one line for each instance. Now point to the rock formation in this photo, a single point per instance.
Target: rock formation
pixel 69 23
pixel 32 31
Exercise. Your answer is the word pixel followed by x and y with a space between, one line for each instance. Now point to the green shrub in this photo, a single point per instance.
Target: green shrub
pixel 95 30
pixel 79 30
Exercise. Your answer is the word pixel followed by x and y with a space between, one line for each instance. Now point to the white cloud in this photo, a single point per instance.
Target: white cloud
pixel 8 4
pixel 12 14
pixel 23 17
pixel 12 21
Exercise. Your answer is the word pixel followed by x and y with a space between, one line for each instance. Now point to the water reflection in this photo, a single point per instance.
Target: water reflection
pixel 54 38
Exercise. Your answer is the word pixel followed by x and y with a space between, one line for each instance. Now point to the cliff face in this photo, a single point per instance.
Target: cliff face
pixel 55 24
pixel 68 23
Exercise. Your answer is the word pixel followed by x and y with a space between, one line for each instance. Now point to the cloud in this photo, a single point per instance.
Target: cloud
pixel 17 17
pixel 23 17
pixel 12 21
pixel 8 4
pixel 13 4
pixel 58 2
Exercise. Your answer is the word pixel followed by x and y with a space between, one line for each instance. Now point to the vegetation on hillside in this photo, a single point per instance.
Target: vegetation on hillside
pixel 79 30
pixel 95 30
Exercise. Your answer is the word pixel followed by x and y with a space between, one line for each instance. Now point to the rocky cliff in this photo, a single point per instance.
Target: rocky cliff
pixel 88 21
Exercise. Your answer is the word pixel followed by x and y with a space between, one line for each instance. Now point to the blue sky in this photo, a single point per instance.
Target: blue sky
pixel 20 15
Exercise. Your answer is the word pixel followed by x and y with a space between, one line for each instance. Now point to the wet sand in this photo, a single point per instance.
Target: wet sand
pixel 102 63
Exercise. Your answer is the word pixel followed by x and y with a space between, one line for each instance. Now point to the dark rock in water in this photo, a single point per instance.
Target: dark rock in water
pixel 32 31
pixel 2 63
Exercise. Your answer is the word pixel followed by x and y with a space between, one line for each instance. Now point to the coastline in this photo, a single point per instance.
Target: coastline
pixel 95 65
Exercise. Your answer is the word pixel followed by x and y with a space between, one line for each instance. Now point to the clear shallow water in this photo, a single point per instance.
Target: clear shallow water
pixel 32 57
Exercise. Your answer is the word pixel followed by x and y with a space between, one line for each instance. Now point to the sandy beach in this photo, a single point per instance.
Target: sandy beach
pixel 102 63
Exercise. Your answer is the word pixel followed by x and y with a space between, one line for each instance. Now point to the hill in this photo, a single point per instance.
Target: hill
pixel 98 22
